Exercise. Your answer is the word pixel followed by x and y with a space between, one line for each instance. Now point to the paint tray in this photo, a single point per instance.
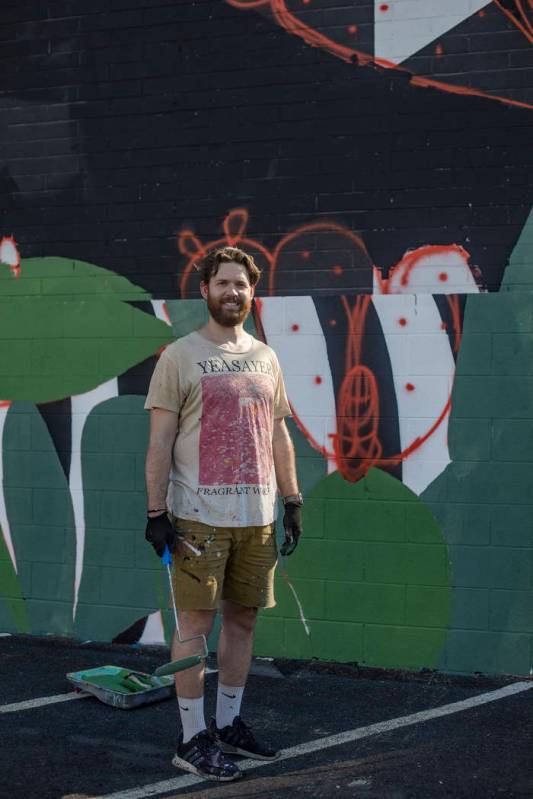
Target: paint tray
pixel 122 688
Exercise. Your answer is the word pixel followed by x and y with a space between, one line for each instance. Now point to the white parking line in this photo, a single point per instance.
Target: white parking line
pixel 30 704
pixel 332 740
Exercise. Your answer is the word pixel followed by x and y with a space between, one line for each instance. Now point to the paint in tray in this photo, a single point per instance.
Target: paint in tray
pixel 122 688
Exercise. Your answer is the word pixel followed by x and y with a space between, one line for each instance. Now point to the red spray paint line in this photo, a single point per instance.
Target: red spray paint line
pixel 358 401
pixel 519 18
pixel 314 38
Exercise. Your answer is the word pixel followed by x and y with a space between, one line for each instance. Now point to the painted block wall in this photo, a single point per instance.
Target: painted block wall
pixel 375 158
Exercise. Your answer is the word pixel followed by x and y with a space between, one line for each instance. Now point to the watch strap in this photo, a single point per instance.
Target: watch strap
pixel 293 499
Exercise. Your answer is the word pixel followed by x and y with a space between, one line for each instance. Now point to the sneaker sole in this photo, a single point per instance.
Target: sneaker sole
pixel 235 750
pixel 186 766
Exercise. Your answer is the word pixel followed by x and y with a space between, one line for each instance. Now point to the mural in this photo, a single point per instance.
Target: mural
pixel 363 406
pixel 401 35
pixel 375 160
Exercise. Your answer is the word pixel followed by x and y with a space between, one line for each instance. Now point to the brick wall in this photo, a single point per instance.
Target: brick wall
pixel 375 159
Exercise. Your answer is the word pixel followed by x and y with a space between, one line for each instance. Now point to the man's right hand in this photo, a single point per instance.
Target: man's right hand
pixel 160 533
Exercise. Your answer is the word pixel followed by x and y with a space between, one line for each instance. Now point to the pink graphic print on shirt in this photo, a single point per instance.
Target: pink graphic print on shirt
pixel 236 430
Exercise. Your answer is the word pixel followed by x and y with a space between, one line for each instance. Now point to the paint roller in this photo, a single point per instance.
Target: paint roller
pixel 188 661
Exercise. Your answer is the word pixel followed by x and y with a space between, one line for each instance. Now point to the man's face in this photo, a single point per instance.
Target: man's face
pixel 229 294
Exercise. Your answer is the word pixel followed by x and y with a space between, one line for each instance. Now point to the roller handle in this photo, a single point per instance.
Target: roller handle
pixel 166 556
pixel 178 665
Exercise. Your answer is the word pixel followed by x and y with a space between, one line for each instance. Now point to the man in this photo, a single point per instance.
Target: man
pixel 218 448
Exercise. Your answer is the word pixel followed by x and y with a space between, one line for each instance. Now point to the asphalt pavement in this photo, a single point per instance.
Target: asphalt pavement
pixel 344 731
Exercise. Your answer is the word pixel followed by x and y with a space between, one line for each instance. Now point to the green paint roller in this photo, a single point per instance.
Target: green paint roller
pixel 188 661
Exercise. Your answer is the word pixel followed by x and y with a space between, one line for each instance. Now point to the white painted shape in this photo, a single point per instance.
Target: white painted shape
pixel 422 351
pixel 294 344
pixel 424 277
pixel 153 632
pixel 319 744
pixel 9 254
pixel 436 444
pixel 431 392
pixel 424 472
pixel 4 521
pixel 404 308
pixel 82 405
pixel 161 312
pixel 273 309
pixel 410 25
pixel 302 314
pixel 398 349
pixel 303 356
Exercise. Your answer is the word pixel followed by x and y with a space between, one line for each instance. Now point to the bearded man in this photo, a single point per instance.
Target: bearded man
pixel 219 450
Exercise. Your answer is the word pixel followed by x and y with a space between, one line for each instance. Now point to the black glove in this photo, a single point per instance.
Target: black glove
pixel 159 532
pixel 292 522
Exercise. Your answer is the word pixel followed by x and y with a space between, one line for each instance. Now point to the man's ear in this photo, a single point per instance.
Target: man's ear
pixel 203 289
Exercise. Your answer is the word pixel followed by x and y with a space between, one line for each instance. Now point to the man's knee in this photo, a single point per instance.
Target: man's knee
pixel 196 622
pixel 238 617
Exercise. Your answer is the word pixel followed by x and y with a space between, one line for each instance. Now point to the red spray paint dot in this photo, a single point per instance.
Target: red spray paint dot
pixel 337 270
pixel 384 7
pixel 305 254
pixel 409 387
pixel 306 2
pixel 295 328
pixel 402 321
pixel 352 28
pixel 318 380
pixel 438 50
pixel 482 12
pixel 333 322
pixel 443 277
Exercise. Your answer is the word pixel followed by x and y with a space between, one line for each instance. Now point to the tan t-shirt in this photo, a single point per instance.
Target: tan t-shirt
pixel 222 465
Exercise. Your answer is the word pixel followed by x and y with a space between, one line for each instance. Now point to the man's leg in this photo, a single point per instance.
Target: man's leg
pixel 190 682
pixel 197 750
pixel 234 659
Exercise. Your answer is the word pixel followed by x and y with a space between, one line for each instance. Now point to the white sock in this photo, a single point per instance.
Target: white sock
pixel 229 699
pixel 192 716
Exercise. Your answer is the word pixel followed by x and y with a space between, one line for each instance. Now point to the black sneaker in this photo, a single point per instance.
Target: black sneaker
pixel 238 739
pixel 202 756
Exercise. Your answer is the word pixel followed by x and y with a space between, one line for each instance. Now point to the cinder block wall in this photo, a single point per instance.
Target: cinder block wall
pixel 375 159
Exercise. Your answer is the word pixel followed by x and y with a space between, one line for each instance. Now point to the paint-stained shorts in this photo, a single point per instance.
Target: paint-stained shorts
pixel 235 563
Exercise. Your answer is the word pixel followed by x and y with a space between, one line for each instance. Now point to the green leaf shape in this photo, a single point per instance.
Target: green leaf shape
pixel 371 572
pixel 74 333
pixel 518 275
pixel 483 499
pixel 13 615
pixel 67 277
pixel 123 579
pixel 41 519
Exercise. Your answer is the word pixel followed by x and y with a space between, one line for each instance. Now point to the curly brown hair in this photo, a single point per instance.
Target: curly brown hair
pixel 209 264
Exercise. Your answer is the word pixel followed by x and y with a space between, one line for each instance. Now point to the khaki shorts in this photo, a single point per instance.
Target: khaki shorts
pixel 235 563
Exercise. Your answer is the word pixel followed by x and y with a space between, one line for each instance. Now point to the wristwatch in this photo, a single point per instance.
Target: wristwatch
pixel 293 499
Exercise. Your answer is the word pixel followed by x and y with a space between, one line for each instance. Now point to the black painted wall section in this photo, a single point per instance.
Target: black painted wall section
pixel 123 123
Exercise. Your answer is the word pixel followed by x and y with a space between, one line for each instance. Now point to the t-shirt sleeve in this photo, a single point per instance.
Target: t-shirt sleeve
pixel 165 390
pixel 281 403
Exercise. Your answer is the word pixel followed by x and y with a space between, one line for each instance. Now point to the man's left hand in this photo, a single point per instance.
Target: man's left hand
pixel 292 522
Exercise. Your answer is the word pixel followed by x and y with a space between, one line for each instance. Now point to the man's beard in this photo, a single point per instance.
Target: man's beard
pixel 227 317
